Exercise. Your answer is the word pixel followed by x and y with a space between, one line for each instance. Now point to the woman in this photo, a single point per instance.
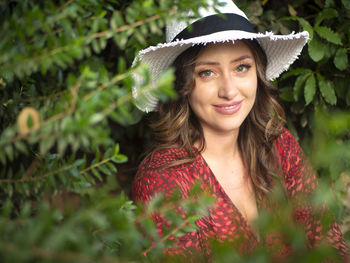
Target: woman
pixel 226 130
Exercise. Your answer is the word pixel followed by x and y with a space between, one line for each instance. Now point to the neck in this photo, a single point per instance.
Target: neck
pixel 223 146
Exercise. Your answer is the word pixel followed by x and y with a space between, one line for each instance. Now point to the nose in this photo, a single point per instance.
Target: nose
pixel 228 87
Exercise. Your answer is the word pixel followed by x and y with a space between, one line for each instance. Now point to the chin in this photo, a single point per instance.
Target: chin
pixel 228 129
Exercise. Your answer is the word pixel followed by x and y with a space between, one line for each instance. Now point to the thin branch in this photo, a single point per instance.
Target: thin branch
pixel 11 101
pixel 40 137
pixel 31 169
pixel 96 165
pixel 88 39
pixel 124 99
pixel 64 5
pixel 133 25
pixel 56 117
pixel 70 111
pixel 74 92
pixel 105 85
pixel 37 178
pixel 62 169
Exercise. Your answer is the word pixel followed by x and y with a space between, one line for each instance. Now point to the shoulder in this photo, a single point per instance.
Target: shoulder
pixel 288 147
pixel 286 140
pixel 164 157
pixel 297 172
pixel 290 153
pixel 155 176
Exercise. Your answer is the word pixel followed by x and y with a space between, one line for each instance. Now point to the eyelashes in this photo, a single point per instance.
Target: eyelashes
pixel 243 67
pixel 209 73
pixel 205 73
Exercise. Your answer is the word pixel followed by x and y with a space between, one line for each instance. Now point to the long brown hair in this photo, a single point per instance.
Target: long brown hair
pixel 177 125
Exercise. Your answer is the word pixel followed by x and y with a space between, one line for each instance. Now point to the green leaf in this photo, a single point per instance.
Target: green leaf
pixel 329 3
pixel 316 49
pixel 79 162
pixel 2 157
pixel 108 153
pixel 75 172
pixel 103 77
pixel 347 99
pixel 9 190
pixel 114 20
pixel 96 118
pixel 21 147
pixel 104 170
pixel 346 4
pixel 121 158
pixel 9 151
pixel 310 89
pixel 328 34
pixel 121 39
pixel 116 150
pixel 298 85
pixel 97 174
pixel 46 145
pixel 327 90
pixel 62 177
pixel 295 72
pixel 96 46
pixel 111 167
pixel 121 65
pixel 341 59
pixel 286 94
pixel 7 207
pixel 103 43
pixel 326 13
pixel 62 145
pixel 304 23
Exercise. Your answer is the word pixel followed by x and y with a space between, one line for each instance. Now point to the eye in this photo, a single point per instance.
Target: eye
pixel 243 68
pixel 205 73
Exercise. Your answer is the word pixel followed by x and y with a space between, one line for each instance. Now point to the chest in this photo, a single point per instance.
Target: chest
pixel 234 184
pixel 237 185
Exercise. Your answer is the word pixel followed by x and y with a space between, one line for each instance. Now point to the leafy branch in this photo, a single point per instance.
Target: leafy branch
pixel 116 157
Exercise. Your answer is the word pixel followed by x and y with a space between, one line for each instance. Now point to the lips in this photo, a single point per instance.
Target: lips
pixel 228 108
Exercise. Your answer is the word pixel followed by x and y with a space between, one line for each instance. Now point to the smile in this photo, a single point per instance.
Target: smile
pixel 228 109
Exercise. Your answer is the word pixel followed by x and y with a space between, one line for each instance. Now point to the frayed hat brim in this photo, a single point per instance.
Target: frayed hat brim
pixel 281 52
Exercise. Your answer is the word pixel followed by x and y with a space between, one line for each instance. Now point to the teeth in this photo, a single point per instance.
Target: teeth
pixel 230 107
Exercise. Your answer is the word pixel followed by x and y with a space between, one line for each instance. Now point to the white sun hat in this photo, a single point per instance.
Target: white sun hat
pixel 281 50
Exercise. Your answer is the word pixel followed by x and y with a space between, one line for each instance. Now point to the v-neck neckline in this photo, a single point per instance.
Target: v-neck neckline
pixel 228 199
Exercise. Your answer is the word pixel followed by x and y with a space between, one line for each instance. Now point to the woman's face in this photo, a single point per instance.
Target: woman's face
pixel 225 86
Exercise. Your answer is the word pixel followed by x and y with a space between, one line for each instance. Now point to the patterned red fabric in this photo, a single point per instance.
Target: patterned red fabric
pixel 225 222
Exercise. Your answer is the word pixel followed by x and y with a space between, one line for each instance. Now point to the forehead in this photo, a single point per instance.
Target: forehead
pixel 215 50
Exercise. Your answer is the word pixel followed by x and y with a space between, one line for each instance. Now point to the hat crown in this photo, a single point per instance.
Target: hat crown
pixel 173 28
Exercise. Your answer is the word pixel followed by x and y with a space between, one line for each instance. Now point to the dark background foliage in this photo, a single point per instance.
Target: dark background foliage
pixel 71 138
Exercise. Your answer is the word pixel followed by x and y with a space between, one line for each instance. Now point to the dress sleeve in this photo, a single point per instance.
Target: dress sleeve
pixel 151 182
pixel 301 183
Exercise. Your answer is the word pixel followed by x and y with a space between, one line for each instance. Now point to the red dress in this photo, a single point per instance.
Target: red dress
pixel 225 222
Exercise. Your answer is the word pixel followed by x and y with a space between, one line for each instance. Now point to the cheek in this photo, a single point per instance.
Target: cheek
pixel 249 89
pixel 254 91
pixel 193 100
pixel 253 86
pixel 197 95
pixel 198 100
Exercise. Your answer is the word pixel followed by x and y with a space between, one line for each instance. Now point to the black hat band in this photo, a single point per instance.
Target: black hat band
pixel 213 24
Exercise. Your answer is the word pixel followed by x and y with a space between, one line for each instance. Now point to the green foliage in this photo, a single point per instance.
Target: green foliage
pixel 68 125
pixel 65 106
pixel 315 89
pixel 103 229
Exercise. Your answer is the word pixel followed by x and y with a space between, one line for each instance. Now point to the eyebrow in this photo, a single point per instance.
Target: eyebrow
pixel 217 63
